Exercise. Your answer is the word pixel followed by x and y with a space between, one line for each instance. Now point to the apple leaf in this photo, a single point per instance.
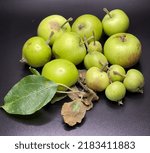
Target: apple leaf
pixel 57 98
pixel 29 95
pixel 73 112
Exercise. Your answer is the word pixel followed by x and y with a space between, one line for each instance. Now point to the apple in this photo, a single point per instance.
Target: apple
pixel 134 81
pixel 56 23
pixel 69 46
pixel 94 46
pixel 115 92
pixel 61 71
pixel 123 49
pixel 115 21
pixel 86 24
pixel 116 73
pixel 96 59
pixel 96 80
pixel 36 52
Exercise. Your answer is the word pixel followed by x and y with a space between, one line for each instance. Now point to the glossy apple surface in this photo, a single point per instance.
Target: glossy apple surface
pixel 96 59
pixel 96 80
pixel 134 81
pixel 116 21
pixel 116 73
pixel 123 49
pixel 94 46
pixel 61 71
pixel 52 23
pixel 36 52
pixel 86 25
pixel 69 46
pixel 115 91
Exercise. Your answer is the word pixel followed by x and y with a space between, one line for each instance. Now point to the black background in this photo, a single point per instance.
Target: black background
pixel 18 22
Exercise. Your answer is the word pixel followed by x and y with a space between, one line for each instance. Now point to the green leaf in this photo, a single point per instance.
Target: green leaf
pixel 29 95
pixel 58 97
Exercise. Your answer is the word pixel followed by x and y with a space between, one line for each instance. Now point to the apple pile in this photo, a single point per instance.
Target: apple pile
pixel 60 47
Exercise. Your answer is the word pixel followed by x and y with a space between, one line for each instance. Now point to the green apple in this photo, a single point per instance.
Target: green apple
pixel 115 92
pixel 86 24
pixel 123 49
pixel 115 21
pixel 69 46
pixel 94 46
pixel 134 81
pixel 96 59
pixel 56 23
pixel 116 73
pixel 61 71
pixel 96 80
pixel 36 52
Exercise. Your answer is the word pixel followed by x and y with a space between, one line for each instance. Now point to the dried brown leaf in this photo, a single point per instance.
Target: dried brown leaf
pixel 76 94
pixel 73 112
pixel 82 74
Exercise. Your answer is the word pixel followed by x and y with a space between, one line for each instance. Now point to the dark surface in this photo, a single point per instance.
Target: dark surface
pixel 19 21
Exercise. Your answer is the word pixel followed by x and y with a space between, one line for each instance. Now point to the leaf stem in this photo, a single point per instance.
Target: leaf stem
pixel 71 90
pixel 34 71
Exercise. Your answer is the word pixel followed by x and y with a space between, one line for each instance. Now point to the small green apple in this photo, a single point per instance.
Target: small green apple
pixel 115 91
pixel 94 46
pixel 86 24
pixel 96 80
pixel 56 23
pixel 96 59
pixel 115 21
pixel 69 46
pixel 123 49
pixel 61 71
pixel 36 52
pixel 116 73
pixel 134 81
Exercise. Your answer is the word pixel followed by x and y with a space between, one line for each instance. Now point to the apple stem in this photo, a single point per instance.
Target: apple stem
pixel 104 66
pixel 117 73
pixel 50 36
pixel 87 39
pixel 123 38
pixel 107 12
pixel 94 38
pixel 86 43
pixel 69 20
pixel 110 81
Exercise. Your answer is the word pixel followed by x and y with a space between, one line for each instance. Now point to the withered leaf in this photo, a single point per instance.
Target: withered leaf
pixel 73 112
pixel 82 74
pixel 76 94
